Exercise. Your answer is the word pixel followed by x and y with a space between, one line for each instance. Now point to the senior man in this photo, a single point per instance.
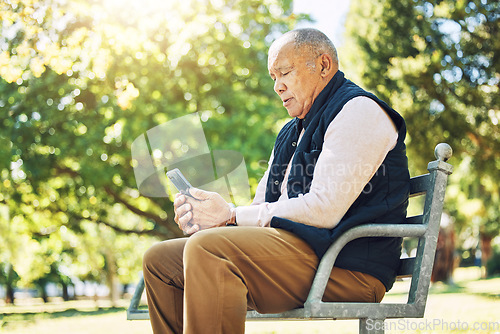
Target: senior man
pixel 340 162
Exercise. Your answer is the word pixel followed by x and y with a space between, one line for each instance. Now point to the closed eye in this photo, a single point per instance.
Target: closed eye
pixel 281 74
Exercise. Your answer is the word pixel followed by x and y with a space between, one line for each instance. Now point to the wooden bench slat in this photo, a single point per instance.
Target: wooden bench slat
pixel 419 185
pixel 406 267
pixel 415 220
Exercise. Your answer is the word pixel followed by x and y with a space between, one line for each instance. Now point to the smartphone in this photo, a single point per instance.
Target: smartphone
pixel 179 181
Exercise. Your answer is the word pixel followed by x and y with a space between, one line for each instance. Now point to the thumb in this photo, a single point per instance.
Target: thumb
pixel 199 194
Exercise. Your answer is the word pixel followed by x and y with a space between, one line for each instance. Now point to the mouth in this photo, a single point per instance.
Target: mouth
pixel 287 101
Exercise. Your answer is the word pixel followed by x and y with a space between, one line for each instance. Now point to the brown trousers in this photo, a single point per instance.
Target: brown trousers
pixel 205 283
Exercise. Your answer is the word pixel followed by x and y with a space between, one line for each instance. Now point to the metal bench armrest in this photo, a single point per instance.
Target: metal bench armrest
pixel 370 230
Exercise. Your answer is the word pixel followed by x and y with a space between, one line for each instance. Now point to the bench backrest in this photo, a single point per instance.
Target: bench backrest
pixel 433 185
pixel 418 187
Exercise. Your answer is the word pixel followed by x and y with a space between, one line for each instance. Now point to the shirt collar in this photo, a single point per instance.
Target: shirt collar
pixel 298 125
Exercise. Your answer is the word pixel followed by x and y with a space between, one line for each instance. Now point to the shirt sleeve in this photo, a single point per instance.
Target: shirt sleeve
pixel 355 145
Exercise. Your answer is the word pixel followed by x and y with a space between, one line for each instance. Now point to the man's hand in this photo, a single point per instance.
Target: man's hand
pixel 204 210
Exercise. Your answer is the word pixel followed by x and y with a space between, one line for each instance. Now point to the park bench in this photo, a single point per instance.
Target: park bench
pixel 371 316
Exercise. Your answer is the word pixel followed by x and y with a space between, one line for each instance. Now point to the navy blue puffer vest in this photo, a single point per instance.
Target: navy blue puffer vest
pixel 383 200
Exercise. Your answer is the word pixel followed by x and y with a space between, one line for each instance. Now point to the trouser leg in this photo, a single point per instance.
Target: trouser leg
pixel 353 286
pixel 227 269
pixel 164 282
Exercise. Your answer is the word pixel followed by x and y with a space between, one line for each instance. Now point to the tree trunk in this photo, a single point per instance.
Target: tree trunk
pixel 444 260
pixel 9 296
pixel 111 277
pixel 43 292
pixel 486 252
pixel 65 293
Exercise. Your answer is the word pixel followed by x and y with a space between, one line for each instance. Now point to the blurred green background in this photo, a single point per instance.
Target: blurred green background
pixel 81 79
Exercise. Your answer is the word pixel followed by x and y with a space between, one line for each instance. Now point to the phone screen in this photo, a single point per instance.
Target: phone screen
pixel 179 181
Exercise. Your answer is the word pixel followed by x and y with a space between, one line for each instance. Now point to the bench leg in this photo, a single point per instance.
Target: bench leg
pixel 371 326
pixel 133 312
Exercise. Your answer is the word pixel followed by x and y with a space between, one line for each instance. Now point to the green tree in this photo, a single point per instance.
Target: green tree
pixel 81 80
pixel 437 62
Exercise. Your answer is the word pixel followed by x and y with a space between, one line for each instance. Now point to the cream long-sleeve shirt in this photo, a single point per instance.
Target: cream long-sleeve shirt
pixel 355 145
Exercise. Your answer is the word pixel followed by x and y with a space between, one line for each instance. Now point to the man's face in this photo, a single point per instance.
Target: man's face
pixel 296 83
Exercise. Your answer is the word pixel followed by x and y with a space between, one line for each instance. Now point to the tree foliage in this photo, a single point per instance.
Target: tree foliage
pixel 437 62
pixel 80 80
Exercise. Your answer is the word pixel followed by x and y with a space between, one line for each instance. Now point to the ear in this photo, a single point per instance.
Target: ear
pixel 327 65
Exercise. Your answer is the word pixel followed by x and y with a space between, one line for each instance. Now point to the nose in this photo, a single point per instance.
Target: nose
pixel 279 86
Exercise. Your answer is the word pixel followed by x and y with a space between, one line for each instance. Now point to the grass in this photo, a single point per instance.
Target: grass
pixel 470 303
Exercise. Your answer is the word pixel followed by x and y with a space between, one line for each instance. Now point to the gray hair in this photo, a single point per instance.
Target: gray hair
pixel 313 41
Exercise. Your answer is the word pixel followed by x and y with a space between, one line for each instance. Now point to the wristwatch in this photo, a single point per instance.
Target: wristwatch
pixel 232 220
